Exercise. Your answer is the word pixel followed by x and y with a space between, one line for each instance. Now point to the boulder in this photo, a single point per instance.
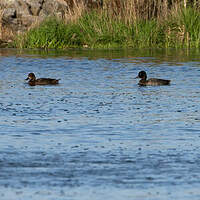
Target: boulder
pixel 17 16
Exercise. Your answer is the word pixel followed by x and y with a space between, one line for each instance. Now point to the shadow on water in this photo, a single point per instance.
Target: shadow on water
pixel 155 55
pixel 98 134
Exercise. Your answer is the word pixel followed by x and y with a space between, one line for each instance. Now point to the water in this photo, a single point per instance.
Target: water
pixel 98 134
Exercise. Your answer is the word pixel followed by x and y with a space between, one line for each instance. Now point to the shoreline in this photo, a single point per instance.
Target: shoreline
pixel 104 28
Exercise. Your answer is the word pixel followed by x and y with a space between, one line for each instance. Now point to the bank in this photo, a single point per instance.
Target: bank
pixel 115 26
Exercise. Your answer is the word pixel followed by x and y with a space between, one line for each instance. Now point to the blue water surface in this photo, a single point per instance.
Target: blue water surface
pixel 98 135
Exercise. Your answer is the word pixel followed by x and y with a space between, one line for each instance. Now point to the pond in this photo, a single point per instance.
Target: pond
pixel 98 135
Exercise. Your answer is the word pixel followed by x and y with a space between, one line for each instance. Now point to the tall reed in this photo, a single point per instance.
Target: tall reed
pixel 120 23
pixel 183 28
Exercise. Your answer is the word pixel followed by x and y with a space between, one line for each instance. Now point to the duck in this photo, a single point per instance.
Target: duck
pixel 40 81
pixel 152 81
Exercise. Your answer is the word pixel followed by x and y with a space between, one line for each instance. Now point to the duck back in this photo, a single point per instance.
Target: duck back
pixel 154 82
pixel 46 81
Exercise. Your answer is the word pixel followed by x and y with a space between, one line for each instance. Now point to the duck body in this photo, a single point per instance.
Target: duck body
pixel 40 81
pixel 152 81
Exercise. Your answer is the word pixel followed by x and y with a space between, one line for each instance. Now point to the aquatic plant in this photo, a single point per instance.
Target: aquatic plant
pixel 49 34
pixel 189 23
pixel 104 29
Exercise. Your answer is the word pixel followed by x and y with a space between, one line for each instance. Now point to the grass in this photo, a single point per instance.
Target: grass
pixel 183 29
pixel 49 34
pixel 189 20
pixel 102 29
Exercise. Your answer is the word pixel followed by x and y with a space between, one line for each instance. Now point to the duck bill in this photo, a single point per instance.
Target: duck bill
pixel 27 78
pixel 136 77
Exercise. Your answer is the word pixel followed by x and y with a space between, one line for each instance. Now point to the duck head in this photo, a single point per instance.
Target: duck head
pixel 31 77
pixel 142 75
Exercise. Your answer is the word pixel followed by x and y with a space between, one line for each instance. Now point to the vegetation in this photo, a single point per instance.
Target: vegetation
pixel 127 24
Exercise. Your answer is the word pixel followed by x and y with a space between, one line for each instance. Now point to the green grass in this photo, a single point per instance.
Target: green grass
pixel 100 30
pixel 148 34
pixel 189 20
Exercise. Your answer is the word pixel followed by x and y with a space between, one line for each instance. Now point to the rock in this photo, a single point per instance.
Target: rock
pixel 3 44
pixel 17 16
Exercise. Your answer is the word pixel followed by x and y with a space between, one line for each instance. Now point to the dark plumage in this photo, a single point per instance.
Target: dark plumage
pixel 40 81
pixel 152 81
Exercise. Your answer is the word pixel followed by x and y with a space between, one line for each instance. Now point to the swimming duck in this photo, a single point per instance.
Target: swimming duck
pixel 151 81
pixel 40 81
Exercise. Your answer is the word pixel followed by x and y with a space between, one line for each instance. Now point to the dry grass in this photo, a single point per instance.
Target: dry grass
pixel 131 10
pixel 1 15
pixel 75 10
pixel 6 34
pixel 126 10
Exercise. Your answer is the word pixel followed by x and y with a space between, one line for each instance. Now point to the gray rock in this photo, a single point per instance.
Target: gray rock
pixel 17 16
